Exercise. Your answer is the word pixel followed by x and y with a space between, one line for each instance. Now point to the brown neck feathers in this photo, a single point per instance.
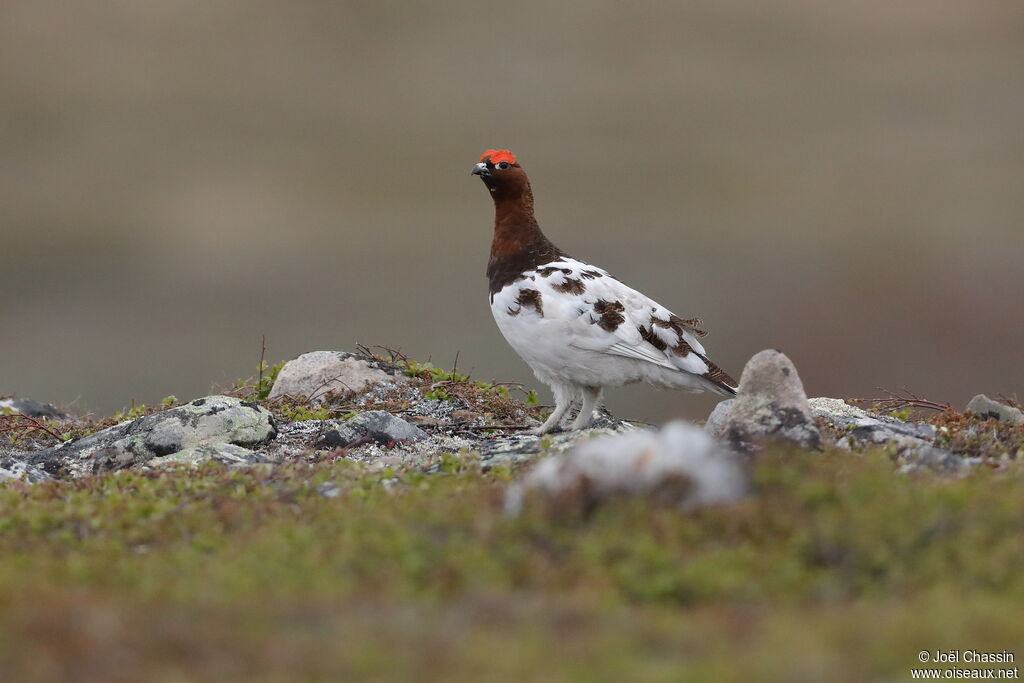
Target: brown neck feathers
pixel 518 243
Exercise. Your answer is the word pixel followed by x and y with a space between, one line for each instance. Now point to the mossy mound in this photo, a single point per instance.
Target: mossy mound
pixel 355 564
pixel 834 569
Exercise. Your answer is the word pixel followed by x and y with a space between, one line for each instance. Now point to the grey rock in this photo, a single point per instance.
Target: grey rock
pixel 21 470
pixel 864 428
pixel 224 453
pixel 210 420
pixel 316 373
pixel 507 450
pixel 937 460
pixel 716 421
pixel 770 404
pixel 31 408
pixel 409 448
pixel 300 439
pixel 859 426
pixel 680 465
pixel 377 426
pixel 301 436
pixel 985 408
pixel 328 490
pixel 912 441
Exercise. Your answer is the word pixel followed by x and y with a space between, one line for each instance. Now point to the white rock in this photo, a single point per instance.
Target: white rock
pixel 316 373
pixel 835 407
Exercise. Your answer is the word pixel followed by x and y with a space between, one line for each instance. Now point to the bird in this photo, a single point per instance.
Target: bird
pixel 580 329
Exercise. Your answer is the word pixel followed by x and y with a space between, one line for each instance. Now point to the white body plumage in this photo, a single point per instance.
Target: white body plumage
pixel 581 330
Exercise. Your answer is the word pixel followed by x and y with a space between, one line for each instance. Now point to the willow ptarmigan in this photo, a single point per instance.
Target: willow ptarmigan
pixel 576 326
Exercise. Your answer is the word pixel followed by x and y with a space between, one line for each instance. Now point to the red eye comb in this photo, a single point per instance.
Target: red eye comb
pixel 499 155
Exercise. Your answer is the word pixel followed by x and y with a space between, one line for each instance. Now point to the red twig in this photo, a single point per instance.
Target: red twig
pixel 904 399
pixel 1009 400
pixel 263 360
pixel 396 354
pixel 28 423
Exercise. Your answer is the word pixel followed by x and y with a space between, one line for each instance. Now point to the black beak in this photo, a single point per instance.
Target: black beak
pixel 481 170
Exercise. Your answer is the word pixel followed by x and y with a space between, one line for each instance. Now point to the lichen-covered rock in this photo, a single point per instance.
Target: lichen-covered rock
pixel 224 453
pixel 316 373
pixel 20 470
pixel 863 428
pixel 376 426
pixel 936 460
pixel 913 442
pixel 31 408
pixel 680 465
pixel 507 450
pixel 715 423
pixel 214 419
pixel 987 409
pixel 770 404
pixel 298 440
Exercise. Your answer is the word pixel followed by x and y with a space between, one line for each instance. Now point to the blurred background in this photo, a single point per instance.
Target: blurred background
pixel 842 181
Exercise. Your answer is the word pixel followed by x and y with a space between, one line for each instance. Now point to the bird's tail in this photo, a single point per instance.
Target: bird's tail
pixel 718 380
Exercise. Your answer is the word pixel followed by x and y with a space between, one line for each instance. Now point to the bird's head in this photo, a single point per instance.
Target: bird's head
pixel 502 174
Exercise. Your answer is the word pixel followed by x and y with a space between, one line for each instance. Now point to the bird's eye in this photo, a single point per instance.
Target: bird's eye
pixel 503 165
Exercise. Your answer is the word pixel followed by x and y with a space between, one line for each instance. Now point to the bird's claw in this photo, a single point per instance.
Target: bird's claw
pixel 540 431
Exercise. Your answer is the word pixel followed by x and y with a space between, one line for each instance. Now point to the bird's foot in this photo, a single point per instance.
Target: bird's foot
pixel 579 424
pixel 544 429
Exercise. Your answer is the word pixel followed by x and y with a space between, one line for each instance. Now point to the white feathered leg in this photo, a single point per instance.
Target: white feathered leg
pixel 563 399
pixel 591 396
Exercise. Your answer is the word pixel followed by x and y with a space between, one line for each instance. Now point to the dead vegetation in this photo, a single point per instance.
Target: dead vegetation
pixel 969 435
pixel 896 401
pixel 962 432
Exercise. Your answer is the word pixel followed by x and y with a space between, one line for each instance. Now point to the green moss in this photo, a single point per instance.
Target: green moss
pixel 132 413
pixel 834 555
pixel 303 412
pixel 438 394
pixel 429 372
pixel 491 399
pixel 835 569
pixel 428 574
